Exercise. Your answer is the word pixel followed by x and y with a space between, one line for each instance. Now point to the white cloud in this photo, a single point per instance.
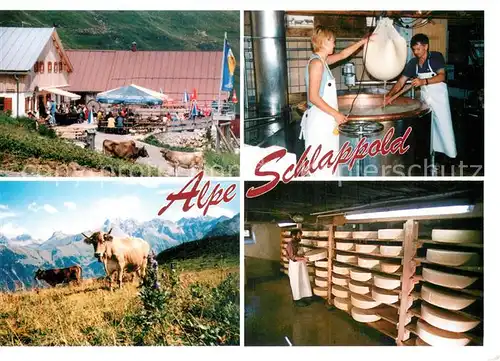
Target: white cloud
pixel 3 207
pixel 49 209
pixel 70 205
pixel 11 230
pixel 7 215
pixel 216 211
pixel 166 191
pixel 33 207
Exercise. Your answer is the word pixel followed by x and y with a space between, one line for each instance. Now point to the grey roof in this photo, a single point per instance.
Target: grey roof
pixel 21 47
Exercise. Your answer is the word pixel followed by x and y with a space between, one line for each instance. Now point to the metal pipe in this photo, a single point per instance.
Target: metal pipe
pixel 271 71
pixel 377 82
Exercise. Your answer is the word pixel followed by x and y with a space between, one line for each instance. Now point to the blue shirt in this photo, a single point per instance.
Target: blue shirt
pixel 435 59
pixel 324 78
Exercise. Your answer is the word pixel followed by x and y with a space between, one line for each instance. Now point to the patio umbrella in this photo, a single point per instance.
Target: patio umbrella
pixel 129 94
pixel 194 111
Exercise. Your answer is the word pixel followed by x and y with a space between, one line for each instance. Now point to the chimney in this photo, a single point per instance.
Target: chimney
pixel 134 47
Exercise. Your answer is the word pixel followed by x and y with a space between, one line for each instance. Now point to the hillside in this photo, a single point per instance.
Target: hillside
pixel 18 263
pixel 151 30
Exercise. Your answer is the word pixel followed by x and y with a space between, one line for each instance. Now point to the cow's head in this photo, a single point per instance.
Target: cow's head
pixel 98 240
pixel 142 152
pixel 39 274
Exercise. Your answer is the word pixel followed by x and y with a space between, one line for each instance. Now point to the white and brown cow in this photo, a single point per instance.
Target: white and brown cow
pixel 119 254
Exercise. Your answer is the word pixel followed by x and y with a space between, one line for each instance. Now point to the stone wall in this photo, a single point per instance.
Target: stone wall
pixel 198 138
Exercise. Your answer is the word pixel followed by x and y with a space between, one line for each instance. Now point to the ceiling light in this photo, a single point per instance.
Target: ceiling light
pixel 413 212
pixel 286 224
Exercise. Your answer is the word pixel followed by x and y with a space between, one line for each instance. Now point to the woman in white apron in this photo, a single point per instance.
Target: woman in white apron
pixel 436 96
pixel 320 121
pixel 297 270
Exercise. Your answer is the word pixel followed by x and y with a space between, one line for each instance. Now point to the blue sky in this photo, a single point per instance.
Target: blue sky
pixel 40 208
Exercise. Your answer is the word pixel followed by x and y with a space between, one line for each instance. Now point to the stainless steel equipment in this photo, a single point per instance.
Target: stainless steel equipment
pixel 349 73
pixel 269 52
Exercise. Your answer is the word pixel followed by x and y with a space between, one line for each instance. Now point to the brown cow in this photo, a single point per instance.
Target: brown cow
pixel 124 150
pixel 119 254
pixel 60 275
pixel 185 160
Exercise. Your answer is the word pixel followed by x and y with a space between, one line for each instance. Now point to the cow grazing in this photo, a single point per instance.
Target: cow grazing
pixel 119 254
pixel 125 150
pixel 60 275
pixel 185 160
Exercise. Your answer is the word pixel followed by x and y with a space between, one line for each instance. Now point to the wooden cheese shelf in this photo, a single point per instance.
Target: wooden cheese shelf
pixel 475 339
pixel 374 269
pixel 468 291
pixel 390 314
pixel 371 283
pixel 369 298
pixel 311 246
pixel 369 255
pixel 385 327
pixel 422 242
pixel 316 238
pixel 368 240
pixel 416 311
pixel 474 269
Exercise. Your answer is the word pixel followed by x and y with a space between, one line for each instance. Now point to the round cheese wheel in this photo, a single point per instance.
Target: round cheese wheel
pixel 286 240
pixel 323 233
pixel 361 315
pixel 389 267
pixel 368 262
pixel 452 258
pixel 346 258
pixel 366 248
pixel 391 251
pixel 385 54
pixel 342 303
pixel 447 279
pixel 391 233
pixel 339 291
pixel 284 252
pixel 316 255
pixel 437 337
pixel 286 265
pixel 342 234
pixel 320 272
pixel 445 299
pixel 447 320
pixel 384 296
pixel 359 287
pixel 387 283
pixel 344 246
pixel 307 242
pixel 340 280
pixel 320 291
pixel 284 259
pixel 286 271
pixel 359 275
pixel 321 282
pixel 322 244
pixel 309 233
pixel 363 302
pixel 341 270
pixel 456 236
pixel 365 235
pixel 321 264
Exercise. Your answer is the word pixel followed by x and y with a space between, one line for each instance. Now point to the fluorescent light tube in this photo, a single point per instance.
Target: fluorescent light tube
pixel 286 224
pixel 414 212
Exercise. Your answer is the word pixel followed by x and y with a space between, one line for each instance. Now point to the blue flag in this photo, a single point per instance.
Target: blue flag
pixel 229 65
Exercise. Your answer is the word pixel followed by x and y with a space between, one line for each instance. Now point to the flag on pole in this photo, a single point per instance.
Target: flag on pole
pixel 185 98
pixel 228 67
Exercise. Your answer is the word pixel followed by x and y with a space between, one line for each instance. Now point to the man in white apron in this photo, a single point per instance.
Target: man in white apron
pixel 297 271
pixel 428 68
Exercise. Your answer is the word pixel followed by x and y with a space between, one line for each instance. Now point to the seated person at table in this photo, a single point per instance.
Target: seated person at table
pixel 119 122
pixel 111 122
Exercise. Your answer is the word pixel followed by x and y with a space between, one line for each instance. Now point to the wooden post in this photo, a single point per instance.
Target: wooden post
pixel 407 279
pixel 217 137
pixel 331 239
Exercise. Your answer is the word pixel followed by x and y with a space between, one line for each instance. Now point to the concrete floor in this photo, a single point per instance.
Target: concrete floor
pixel 270 315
